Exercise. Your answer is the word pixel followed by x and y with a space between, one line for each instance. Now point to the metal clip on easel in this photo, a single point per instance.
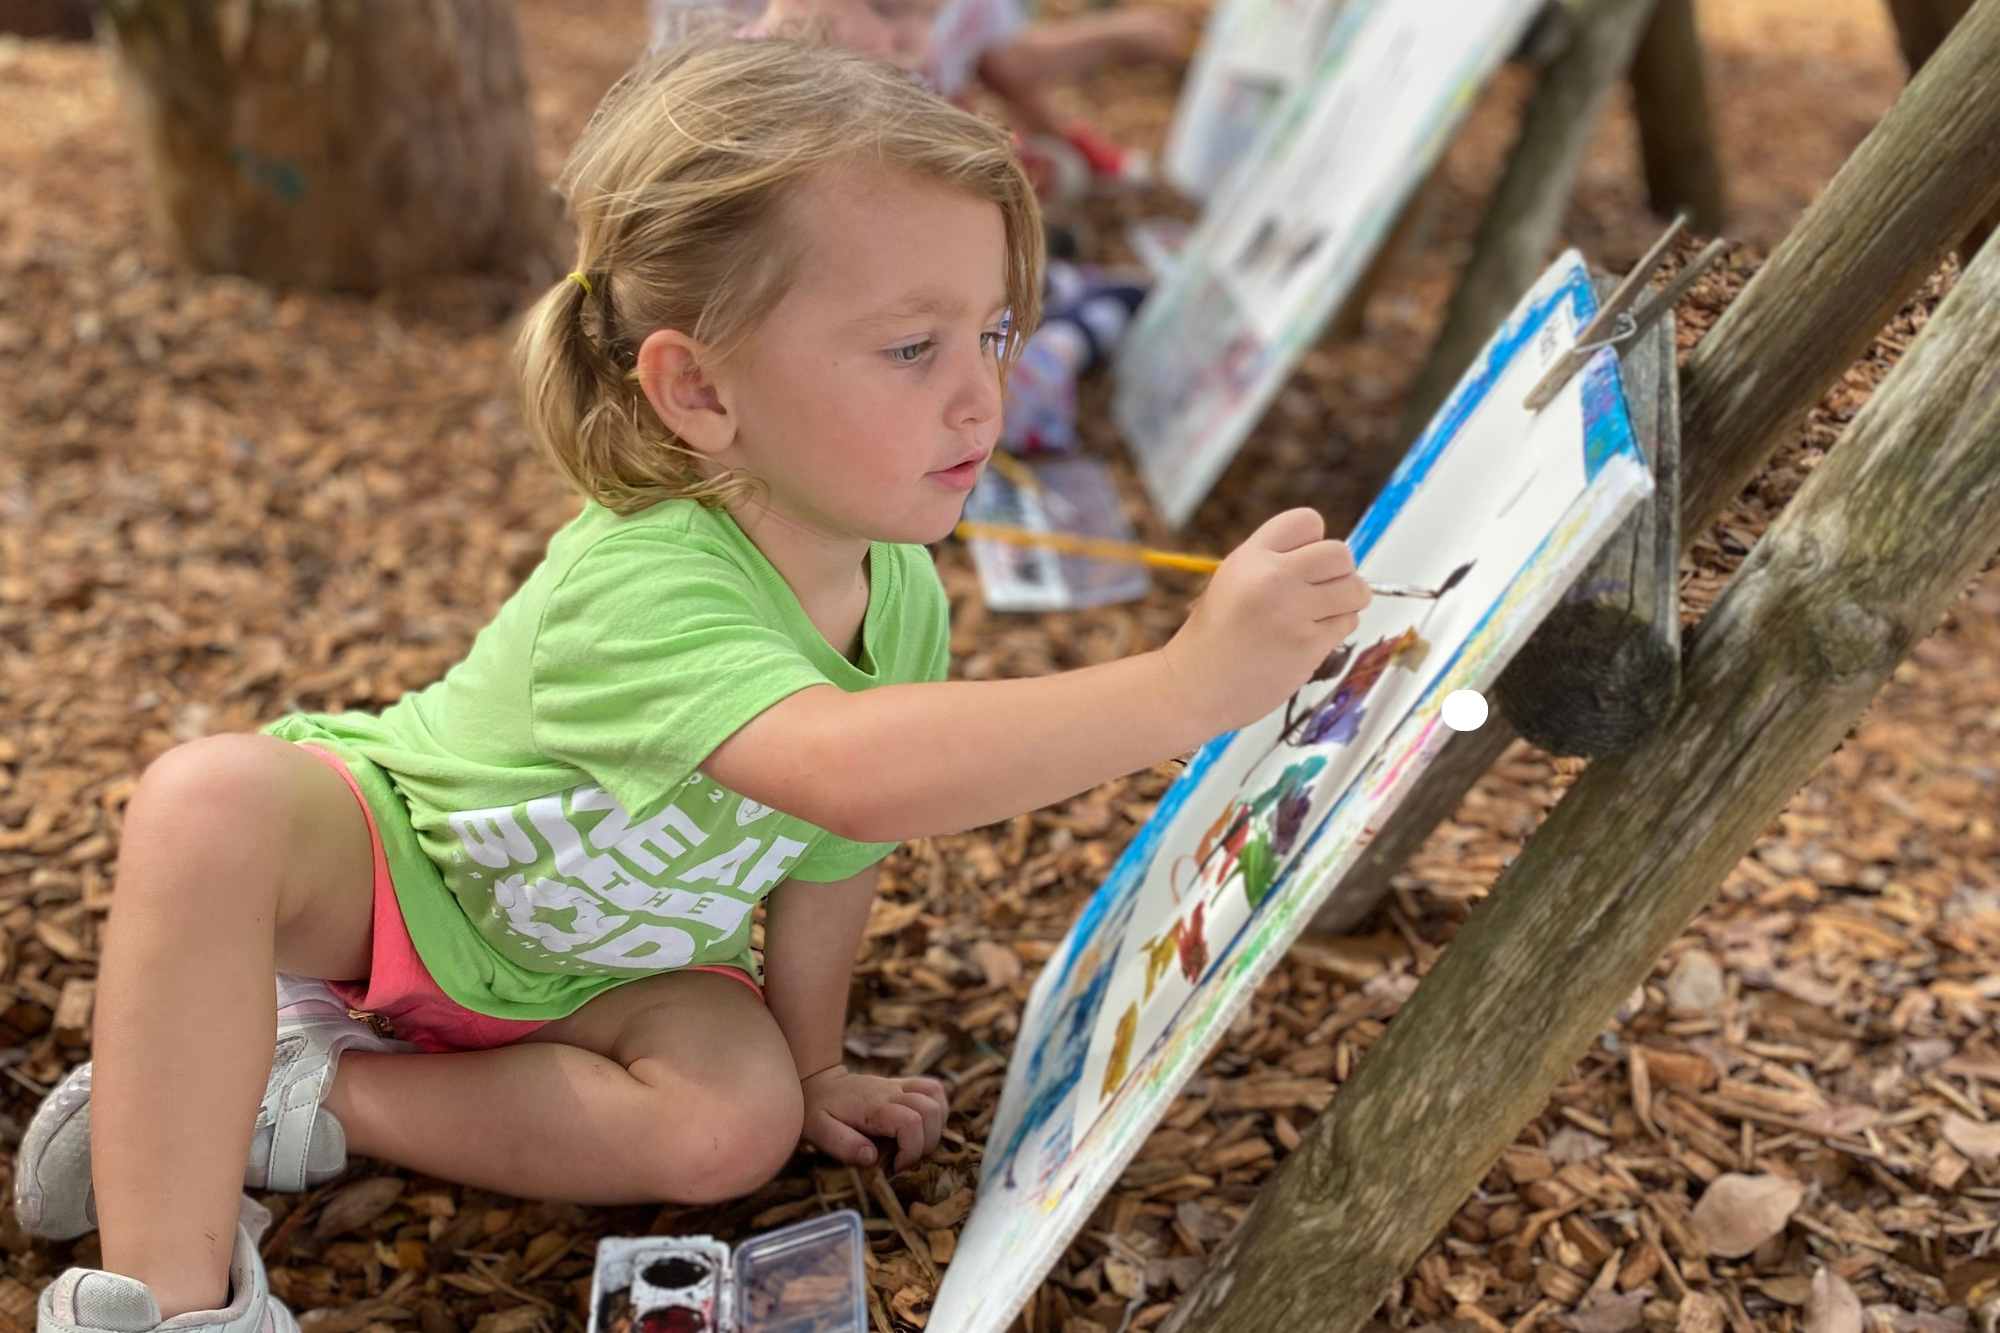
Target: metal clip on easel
pixel 1622 318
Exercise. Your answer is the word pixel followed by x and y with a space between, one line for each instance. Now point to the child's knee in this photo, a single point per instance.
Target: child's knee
pixel 746 1133
pixel 229 772
pixel 224 788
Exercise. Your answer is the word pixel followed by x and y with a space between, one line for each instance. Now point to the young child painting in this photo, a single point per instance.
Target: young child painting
pixel 501 932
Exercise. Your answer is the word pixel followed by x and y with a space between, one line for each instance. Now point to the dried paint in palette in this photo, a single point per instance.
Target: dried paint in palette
pixel 805 1278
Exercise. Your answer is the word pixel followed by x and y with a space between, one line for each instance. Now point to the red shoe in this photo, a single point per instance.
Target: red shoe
pixel 1059 172
pixel 1110 163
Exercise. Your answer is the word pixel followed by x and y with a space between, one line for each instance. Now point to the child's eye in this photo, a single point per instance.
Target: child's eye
pixel 911 354
pixel 993 339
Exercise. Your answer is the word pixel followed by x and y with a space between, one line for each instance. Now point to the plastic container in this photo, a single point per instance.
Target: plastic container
pixel 805 1278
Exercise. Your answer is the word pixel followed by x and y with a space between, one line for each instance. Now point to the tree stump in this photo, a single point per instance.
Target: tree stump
pixel 349 144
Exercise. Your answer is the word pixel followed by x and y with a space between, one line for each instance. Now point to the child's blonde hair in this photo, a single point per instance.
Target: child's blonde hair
pixel 676 185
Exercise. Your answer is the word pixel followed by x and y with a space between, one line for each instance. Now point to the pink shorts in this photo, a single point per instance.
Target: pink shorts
pixel 400 990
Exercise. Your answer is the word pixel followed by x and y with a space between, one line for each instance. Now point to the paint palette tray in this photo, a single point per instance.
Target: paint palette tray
pixel 806 1278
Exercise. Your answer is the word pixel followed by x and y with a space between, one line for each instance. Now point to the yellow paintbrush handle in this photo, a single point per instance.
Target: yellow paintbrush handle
pixel 1099 548
pixel 1095 547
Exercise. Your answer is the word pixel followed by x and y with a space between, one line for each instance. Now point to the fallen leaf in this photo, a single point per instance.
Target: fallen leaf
pixel 517 1319
pixel 1833 1307
pixel 1972 1283
pixel 1570 1144
pixel 1737 1213
pixel 1979 1142
pixel 1791 1289
pixel 1601 1312
pixel 1699 1313
pixel 357 1205
pixel 1000 963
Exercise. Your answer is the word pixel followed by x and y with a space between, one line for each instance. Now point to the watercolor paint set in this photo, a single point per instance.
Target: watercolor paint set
pixel 806 1278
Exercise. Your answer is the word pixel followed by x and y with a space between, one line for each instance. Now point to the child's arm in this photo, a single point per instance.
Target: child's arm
pixel 909 761
pixel 811 934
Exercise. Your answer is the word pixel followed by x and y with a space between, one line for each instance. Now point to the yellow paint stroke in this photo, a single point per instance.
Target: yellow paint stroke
pixel 1159 953
pixel 1121 1049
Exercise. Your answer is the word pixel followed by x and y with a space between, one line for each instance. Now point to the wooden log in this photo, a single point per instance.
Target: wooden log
pixel 1602 670
pixel 354 146
pixel 1921 27
pixel 1858 569
pixel 1676 138
pixel 1525 213
pixel 1917 182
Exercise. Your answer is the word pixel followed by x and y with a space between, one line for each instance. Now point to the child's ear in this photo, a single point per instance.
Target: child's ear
pixel 674 381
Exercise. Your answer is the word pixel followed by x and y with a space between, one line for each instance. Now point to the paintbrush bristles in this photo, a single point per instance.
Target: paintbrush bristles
pixel 1101 548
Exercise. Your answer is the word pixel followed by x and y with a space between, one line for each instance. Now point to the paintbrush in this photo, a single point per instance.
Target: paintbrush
pixel 1100 548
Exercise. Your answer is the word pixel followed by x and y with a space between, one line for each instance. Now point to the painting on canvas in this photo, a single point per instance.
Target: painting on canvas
pixel 1253 55
pixel 1283 245
pixel 1262 823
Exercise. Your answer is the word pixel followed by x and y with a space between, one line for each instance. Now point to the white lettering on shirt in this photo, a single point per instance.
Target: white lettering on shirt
pixel 617 830
pixel 521 900
pixel 599 872
pixel 493 838
pixel 722 869
pixel 719 910
pixel 770 867
pixel 646 948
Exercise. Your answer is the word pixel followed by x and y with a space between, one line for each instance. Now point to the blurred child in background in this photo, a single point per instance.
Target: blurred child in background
pixel 947 44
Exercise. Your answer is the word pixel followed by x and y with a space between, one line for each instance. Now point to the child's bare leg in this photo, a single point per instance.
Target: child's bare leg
pixel 674 1088
pixel 236 849
pixel 1065 48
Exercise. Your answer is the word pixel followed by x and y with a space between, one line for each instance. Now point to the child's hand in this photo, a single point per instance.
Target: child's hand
pixel 844 1111
pixel 1279 604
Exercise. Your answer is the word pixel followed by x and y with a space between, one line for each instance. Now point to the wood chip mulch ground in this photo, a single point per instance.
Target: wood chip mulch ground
pixel 219 502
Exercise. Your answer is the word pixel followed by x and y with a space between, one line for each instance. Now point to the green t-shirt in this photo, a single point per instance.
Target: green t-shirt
pixel 542 807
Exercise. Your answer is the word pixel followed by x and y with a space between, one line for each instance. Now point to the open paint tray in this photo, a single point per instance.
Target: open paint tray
pixel 805 1278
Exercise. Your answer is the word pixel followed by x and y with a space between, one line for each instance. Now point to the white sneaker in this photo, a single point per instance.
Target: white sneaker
pixel 89 1300
pixel 297 1143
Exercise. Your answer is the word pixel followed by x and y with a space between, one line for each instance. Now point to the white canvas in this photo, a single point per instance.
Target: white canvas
pixel 1253 54
pixel 1286 241
pixel 1247 843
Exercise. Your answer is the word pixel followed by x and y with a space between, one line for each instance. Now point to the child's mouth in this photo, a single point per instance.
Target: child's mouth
pixel 961 477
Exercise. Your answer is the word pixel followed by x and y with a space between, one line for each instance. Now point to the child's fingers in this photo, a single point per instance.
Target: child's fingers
pixel 931 1108
pixel 843 1142
pixel 1321 562
pixel 907 1125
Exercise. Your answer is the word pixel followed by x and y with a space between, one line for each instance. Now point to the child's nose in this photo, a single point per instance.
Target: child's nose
pixel 979 395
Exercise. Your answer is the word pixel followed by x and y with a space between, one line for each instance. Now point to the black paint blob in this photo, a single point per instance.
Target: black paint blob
pixel 675 1273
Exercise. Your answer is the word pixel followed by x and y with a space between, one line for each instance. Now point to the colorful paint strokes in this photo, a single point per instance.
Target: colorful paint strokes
pixel 1263 822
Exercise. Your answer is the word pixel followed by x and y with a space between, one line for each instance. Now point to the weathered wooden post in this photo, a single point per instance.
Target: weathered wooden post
pixel 1914 186
pixel 1676 138
pixel 1858 569
pixel 351 146
pixel 1921 27
pixel 1522 219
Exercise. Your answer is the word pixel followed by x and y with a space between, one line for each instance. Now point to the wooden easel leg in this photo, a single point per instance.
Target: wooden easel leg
pixel 1676 137
pixel 1921 27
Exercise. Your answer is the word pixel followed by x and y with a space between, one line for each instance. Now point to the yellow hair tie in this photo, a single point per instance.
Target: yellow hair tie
pixel 584 283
